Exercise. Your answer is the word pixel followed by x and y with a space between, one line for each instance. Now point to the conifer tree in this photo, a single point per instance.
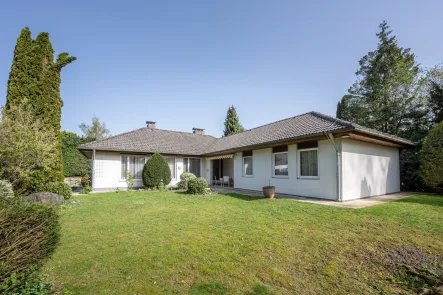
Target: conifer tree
pixel 232 124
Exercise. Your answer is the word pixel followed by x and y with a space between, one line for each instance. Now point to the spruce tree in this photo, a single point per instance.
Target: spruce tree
pixel 232 124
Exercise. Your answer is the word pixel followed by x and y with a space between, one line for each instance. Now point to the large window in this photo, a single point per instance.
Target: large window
pixel 192 165
pixel 280 161
pixel 308 159
pixel 171 163
pixel 133 164
pixel 247 163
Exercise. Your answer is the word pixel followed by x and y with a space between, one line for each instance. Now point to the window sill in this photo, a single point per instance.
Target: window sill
pixel 309 177
pixel 248 176
pixel 281 177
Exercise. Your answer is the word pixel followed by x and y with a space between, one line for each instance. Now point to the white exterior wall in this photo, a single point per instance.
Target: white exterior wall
pixel 369 170
pixel 324 187
pixel 108 171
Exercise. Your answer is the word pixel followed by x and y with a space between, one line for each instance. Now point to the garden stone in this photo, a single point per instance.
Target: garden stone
pixel 45 198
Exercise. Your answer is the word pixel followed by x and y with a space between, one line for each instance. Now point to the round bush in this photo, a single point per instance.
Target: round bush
pixel 29 234
pixel 59 188
pixel 431 158
pixel 197 186
pixel 156 170
pixel 6 191
pixel 184 179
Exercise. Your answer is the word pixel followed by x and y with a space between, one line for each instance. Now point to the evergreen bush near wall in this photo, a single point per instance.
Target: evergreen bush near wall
pixel 431 158
pixel 156 170
pixel 74 163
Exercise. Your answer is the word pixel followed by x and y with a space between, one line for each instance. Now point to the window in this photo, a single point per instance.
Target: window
pixel 192 165
pixel 281 164
pixel 133 164
pixel 308 163
pixel 247 163
pixel 171 163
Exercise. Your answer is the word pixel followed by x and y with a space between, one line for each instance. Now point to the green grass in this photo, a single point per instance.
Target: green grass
pixel 173 243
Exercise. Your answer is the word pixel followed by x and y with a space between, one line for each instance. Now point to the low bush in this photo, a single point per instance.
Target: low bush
pixel 6 191
pixel 86 181
pixel 184 179
pixel 29 234
pixel 86 190
pixel 197 186
pixel 60 188
pixel 155 171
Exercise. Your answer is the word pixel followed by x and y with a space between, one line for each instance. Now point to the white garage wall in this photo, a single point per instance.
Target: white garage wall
pixel 108 171
pixel 324 187
pixel 369 170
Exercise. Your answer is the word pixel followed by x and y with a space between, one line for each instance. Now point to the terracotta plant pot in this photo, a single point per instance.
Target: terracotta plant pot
pixel 269 191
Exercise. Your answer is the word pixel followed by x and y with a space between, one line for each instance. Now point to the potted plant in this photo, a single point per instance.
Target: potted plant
pixel 269 191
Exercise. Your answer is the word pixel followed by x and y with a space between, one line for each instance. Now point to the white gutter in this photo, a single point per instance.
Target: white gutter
pixel 338 159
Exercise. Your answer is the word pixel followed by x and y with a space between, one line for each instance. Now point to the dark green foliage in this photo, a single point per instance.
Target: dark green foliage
pixel 74 163
pixel 184 179
pixel 86 181
pixel 31 282
pixel 232 124
pixel 436 101
pixel 156 170
pixel 197 186
pixel 86 190
pixel 35 79
pixel 59 188
pixel 386 94
pixel 29 234
pixel 431 158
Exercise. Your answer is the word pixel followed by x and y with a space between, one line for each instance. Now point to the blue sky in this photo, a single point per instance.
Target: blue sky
pixel 182 63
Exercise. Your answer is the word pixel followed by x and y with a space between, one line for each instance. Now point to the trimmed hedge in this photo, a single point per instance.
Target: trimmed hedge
pixel 156 170
pixel 59 188
pixel 197 186
pixel 431 158
pixel 29 234
pixel 74 163
pixel 184 179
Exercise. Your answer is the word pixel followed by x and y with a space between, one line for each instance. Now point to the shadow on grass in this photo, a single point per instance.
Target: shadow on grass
pixel 431 200
pixel 242 197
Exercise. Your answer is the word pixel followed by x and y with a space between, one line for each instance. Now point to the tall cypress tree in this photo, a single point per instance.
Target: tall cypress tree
pixel 232 124
pixel 35 76
pixel 21 84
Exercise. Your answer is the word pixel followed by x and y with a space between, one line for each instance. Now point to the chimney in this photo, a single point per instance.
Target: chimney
pixel 150 124
pixel 198 131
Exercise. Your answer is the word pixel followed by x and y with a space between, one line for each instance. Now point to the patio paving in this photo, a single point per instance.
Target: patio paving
pixel 354 204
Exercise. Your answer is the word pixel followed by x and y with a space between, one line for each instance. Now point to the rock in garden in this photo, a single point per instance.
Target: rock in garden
pixel 45 198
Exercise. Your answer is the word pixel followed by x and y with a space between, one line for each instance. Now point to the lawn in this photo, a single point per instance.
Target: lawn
pixel 174 243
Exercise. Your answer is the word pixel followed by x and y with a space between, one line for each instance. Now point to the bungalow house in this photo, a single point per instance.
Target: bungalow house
pixel 311 155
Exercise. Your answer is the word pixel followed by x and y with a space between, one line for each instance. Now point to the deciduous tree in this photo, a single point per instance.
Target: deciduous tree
pixel 97 130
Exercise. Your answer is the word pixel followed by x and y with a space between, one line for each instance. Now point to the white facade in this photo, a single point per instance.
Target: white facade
pixel 323 186
pixel 366 170
pixel 369 170
pixel 107 171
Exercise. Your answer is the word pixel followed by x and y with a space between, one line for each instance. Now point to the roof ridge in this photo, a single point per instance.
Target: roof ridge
pixel 333 119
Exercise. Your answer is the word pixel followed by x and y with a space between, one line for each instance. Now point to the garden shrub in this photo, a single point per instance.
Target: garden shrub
pixel 74 163
pixel 86 190
pixel 85 181
pixel 184 179
pixel 59 188
pixel 431 158
pixel 156 170
pixel 6 191
pixel 29 234
pixel 197 186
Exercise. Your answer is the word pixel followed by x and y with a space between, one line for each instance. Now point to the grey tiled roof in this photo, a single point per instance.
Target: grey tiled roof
pixel 172 142
pixel 154 140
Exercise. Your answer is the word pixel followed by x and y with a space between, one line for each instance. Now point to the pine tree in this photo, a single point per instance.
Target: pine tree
pixel 386 95
pixel 232 124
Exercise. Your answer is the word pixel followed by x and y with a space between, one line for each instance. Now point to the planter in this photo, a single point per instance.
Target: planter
pixel 269 191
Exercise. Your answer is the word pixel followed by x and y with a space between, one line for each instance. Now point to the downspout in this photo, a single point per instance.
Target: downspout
pixel 93 169
pixel 338 159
